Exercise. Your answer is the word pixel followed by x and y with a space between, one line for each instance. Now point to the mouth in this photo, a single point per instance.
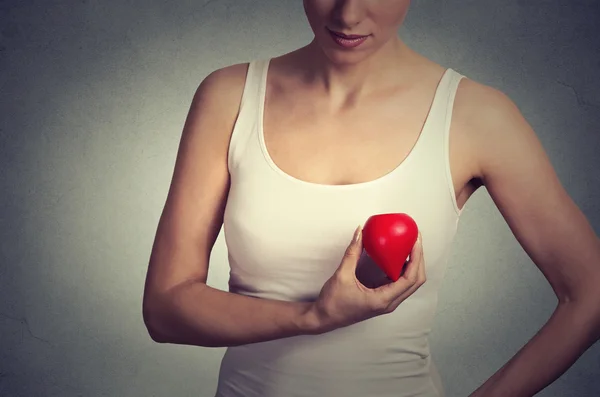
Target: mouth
pixel 347 36
pixel 347 41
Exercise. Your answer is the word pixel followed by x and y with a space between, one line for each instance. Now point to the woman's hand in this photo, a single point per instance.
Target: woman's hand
pixel 344 300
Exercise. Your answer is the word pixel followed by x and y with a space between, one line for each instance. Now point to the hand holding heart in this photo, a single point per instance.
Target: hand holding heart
pixel 344 300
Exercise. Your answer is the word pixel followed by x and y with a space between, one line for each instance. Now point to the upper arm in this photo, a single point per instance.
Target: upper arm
pixel 517 173
pixel 193 213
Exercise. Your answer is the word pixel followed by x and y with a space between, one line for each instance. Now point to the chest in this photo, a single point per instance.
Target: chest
pixel 356 146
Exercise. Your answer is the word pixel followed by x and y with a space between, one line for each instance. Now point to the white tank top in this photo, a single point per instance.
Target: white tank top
pixel 285 237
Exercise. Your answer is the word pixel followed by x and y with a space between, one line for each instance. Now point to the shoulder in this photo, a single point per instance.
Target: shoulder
pixel 215 105
pixel 214 109
pixel 490 121
pixel 481 103
pixel 222 89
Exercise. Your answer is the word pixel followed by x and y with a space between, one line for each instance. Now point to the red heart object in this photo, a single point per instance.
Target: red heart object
pixel 389 239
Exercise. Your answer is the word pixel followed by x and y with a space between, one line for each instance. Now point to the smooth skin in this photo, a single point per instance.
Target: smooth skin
pixel 370 101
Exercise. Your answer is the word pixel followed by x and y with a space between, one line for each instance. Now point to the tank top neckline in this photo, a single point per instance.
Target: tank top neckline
pixel 403 164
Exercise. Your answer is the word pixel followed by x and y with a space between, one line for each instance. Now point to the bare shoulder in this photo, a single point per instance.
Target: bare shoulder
pixel 214 108
pixel 490 122
pixel 221 90
pixel 473 98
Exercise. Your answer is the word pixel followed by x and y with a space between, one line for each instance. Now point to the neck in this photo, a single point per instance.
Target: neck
pixel 346 83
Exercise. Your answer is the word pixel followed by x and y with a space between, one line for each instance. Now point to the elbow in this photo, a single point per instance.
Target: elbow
pixel 586 302
pixel 156 335
pixel 152 321
pixel 165 320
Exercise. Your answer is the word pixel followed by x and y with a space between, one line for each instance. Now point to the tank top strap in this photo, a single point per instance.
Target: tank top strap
pixel 248 114
pixel 432 150
pixel 440 132
pixel 454 80
pixel 437 123
pixel 440 112
pixel 452 87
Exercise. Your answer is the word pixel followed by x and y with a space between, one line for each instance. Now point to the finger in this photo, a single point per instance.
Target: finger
pixel 353 252
pixel 416 252
pixel 391 291
pixel 397 288
pixel 423 273
pixel 412 267
pixel 421 277
pixel 398 301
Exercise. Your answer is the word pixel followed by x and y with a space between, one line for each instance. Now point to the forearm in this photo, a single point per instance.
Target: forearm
pixel 196 314
pixel 570 331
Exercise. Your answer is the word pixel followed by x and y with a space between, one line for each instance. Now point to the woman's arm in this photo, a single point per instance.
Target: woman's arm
pixel 178 306
pixel 552 230
pixel 196 314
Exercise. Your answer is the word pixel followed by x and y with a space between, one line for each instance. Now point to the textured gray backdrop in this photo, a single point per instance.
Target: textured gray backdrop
pixel 94 95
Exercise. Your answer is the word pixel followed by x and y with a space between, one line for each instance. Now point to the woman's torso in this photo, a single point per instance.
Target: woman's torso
pixel 300 183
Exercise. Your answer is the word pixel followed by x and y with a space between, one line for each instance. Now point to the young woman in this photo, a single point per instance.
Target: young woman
pixel 290 154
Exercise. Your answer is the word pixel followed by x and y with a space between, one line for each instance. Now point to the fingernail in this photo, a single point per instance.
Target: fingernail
pixel 357 233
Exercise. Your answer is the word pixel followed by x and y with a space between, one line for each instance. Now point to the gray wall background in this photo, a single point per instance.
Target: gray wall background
pixel 94 95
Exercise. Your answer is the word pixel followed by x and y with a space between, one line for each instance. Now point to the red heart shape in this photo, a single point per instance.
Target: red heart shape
pixel 389 239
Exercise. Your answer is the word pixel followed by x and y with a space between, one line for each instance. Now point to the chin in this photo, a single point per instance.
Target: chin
pixel 344 57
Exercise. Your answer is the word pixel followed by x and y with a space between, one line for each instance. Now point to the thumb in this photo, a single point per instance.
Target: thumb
pixel 353 252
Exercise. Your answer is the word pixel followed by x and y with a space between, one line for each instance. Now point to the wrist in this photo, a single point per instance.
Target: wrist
pixel 308 320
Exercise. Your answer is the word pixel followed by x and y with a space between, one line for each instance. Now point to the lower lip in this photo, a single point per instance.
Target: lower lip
pixel 347 43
